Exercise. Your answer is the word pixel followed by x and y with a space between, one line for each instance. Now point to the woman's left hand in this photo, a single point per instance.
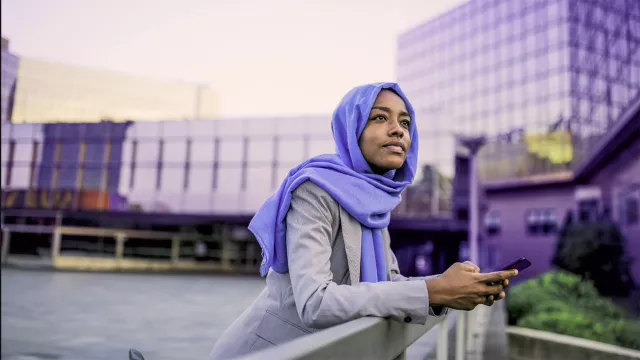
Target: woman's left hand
pixel 491 299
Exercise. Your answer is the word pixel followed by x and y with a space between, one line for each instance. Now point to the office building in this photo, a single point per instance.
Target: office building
pixel 523 217
pixel 185 175
pixel 9 74
pixel 53 92
pixel 543 79
pixel 223 166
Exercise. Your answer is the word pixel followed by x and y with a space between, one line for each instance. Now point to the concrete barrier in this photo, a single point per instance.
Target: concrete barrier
pixel 528 344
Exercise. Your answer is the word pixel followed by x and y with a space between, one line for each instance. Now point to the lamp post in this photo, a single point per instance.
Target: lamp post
pixel 473 146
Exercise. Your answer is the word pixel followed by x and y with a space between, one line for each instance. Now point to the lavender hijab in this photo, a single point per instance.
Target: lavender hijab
pixel 348 178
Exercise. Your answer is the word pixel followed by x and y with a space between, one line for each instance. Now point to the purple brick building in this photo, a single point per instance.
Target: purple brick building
pixel 522 216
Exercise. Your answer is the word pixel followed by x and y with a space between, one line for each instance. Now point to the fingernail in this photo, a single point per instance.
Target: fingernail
pixel 516 272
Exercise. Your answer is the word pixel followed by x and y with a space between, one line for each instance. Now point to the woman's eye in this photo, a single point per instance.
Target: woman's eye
pixel 406 123
pixel 379 117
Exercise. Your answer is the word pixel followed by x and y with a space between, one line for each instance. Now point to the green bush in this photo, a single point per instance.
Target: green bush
pixel 566 304
pixel 596 251
pixel 570 323
pixel 551 289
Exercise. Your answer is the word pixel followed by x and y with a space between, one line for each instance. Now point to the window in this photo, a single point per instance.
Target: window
pixel 630 207
pixel 492 222
pixel 588 210
pixel 541 222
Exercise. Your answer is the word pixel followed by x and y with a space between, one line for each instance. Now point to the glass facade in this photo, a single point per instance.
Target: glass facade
pixel 542 79
pixel 51 92
pixel 226 166
pixel 9 75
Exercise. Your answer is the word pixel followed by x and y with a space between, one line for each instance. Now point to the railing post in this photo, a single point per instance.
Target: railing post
pixel 56 243
pixel 226 247
pixel 460 332
pixel 120 239
pixel 469 333
pixel 175 249
pixel 6 242
pixel 442 349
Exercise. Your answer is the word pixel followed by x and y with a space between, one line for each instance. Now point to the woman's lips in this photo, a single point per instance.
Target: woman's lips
pixel 395 148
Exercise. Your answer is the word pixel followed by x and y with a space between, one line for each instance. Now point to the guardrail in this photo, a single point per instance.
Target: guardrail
pixel 529 344
pixel 225 255
pixel 374 339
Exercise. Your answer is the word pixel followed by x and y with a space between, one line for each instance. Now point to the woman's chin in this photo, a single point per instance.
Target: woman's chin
pixel 388 166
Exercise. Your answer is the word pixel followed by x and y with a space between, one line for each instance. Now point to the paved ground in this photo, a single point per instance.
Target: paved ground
pixel 67 316
pixel 63 316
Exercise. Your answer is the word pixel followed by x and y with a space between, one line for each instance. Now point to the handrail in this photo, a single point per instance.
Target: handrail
pixel 104 232
pixel 364 338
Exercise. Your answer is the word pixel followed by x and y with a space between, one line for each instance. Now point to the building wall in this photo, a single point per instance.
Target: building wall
pixel 620 176
pixel 514 241
pixel 9 75
pixel 515 70
pixel 223 166
pixel 617 180
pixel 52 92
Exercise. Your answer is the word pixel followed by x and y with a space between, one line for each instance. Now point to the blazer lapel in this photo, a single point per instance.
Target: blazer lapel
pixel 352 234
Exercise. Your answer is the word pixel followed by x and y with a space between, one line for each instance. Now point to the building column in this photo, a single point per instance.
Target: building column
pixel 120 239
pixel 6 243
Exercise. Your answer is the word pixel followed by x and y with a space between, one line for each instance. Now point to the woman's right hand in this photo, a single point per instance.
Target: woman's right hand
pixel 463 287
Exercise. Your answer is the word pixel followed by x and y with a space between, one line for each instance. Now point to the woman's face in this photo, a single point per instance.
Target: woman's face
pixel 385 140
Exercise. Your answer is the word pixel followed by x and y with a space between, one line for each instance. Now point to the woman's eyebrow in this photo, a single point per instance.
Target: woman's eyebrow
pixel 388 110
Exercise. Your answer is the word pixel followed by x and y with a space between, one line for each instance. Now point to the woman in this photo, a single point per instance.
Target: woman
pixel 324 237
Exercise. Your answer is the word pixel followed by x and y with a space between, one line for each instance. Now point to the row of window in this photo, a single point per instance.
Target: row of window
pixel 511 16
pixel 184 151
pixel 547 72
pixel 537 222
pixel 514 17
pixel 285 127
pixel 545 222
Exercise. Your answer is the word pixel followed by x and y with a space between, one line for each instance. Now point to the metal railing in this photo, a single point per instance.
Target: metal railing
pixel 381 339
pixel 227 252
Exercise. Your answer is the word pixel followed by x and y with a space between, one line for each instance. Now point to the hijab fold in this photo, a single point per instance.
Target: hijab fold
pixel 348 178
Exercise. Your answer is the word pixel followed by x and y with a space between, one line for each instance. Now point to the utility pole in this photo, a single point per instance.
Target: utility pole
pixel 473 146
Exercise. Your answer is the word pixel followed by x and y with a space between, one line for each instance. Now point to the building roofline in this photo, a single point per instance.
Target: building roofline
pixel 542 180
pixel 622 131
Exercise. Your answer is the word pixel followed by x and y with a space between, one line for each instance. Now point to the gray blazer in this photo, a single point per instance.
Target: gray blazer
pixel 323 287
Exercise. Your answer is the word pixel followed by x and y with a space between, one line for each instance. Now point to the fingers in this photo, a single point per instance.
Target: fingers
pixel 470 267
pixel 490 300
pixel 502 295
pixel 505 283
pixel 491 290
pixel 498 276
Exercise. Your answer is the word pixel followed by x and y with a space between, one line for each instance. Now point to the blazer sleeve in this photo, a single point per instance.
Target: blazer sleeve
pixel 322 303
pixel 396 276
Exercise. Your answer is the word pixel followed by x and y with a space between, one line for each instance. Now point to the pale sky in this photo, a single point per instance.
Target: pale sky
pixel 263 58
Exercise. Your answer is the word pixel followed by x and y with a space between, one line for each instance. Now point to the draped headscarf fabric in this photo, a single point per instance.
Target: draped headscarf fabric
pixel 348 178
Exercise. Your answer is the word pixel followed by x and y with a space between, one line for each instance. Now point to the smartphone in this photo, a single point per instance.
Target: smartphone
pixel 519 264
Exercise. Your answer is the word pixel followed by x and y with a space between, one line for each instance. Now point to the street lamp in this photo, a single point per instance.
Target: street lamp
pixel 473 146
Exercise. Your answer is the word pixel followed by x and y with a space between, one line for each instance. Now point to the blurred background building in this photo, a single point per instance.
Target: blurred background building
pixel 52 92
pixel 9 75
pixel 543 79
pixel 524 217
